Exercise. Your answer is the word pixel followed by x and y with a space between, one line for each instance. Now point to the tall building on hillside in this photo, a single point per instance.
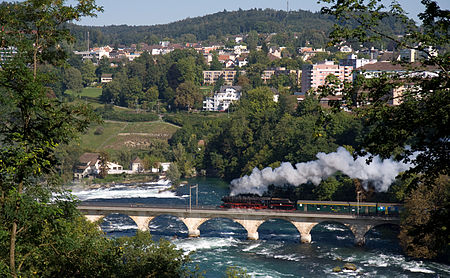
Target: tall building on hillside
pixel 314 76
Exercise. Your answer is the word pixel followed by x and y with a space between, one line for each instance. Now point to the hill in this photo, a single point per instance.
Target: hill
pixel 309 26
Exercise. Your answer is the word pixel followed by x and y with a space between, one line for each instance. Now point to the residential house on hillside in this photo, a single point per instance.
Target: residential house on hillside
pixel 222 100
pixel 137 165
pixel 241 61
pixel 88 165
pixel 106 78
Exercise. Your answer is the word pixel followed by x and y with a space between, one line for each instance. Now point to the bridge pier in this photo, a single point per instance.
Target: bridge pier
pixel 251 226
pixel 193 224
pixel 304 229
pixel 359 231
pixel 142 222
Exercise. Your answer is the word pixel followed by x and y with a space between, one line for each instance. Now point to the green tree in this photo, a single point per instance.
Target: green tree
pixel 173 174
pixel 215 63
pixel 187 96
pixel 103 168
pixel 151 95
pixel 104 66
pixel 326 189
pixel 418 125
pixel 424 232
pixel 88 73
pixel 219 83
pixel 144 258
pixel 252 40
pixel 33 124
pixel 72 80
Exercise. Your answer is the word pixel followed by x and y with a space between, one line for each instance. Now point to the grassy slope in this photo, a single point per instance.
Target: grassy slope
pixel 119 135
pixel 92 92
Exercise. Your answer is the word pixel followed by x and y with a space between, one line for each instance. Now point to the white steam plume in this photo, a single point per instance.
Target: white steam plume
pixel 380 173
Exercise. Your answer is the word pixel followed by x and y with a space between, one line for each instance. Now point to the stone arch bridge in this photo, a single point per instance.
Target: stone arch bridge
pixel 249 219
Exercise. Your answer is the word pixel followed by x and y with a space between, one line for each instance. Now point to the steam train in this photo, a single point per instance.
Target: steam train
pixel 361 208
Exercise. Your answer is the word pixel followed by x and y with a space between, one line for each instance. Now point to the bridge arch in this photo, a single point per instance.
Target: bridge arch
pixel 168 225
pixel 385 235
pixel 286 229
pixel 223 226
pixel 114 223
pixel 334 231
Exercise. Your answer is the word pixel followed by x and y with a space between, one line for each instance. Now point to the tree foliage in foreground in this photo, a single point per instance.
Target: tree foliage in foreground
pixel 425 229
pixel 418 125
pixel 416 130
pixel 42 234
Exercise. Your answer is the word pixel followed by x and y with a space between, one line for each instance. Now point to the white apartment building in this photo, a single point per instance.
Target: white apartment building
pixel 353 61
pixel 222 100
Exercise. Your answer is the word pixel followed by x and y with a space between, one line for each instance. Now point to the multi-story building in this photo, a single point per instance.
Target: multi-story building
pixel 315 75
pixel 210 77
pixel 402 74
pixel 269 73
pixel 222 100
pixel 353 61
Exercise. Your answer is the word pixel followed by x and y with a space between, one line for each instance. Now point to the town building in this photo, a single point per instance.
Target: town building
pixel 210 77
pixel 314 76
pixel 222 100
pixel 402 73
pixel 106 78
pixel 353 61
pixel 88 165
pixel 137 165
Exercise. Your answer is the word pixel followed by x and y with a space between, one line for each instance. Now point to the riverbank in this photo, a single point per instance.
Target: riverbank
pixel 135 180
pixel 277 254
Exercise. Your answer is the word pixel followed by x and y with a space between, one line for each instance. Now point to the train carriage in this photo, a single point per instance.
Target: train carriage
pixel 361 208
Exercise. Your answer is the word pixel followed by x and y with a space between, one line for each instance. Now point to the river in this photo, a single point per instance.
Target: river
pixel 278 253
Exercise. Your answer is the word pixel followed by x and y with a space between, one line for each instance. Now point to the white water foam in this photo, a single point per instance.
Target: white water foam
pixel 333 227
pixel 123 191
pixel 251 247
pixel 190 245
pixel 415 266
pixel 117 227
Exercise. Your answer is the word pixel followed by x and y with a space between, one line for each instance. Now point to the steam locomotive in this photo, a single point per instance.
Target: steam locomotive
pixel 360 208
pixel 256 202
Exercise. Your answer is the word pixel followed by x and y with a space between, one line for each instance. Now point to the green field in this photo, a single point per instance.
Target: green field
pixel 91 92
pixel 120 135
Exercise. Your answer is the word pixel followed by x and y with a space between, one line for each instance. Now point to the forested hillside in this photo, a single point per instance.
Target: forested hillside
pixel 309 27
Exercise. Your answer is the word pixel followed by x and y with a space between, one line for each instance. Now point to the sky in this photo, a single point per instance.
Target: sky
pixel 151 12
